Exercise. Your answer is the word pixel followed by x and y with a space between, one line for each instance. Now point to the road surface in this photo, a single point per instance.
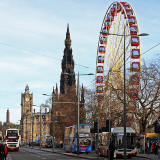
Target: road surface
pixel 34 154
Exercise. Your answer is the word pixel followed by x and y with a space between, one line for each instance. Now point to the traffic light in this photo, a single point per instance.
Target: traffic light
pixel 108 125
pixel 156 127
pixel 95 126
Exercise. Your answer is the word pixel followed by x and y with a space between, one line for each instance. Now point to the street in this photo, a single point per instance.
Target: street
pixel 26 154
pixel 34 154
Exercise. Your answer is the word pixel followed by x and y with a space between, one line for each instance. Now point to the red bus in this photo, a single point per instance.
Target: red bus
pixel 12 139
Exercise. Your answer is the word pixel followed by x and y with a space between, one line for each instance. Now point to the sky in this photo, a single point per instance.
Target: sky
pixel 32 34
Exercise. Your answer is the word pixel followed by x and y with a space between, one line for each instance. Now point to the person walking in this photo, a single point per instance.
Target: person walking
pixel 148 147
pixel 156 148
pixel 138 146
pixel 1 152
pixel 5 151
pixel 153 147
pixel 111 150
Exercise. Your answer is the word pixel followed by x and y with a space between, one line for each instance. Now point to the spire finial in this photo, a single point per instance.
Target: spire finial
pixel 53 90
pixel 68 40
pixel 27 88
pixel 82 85
pixel 67 27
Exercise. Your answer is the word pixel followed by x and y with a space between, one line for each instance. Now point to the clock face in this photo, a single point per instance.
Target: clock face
pixel 27 99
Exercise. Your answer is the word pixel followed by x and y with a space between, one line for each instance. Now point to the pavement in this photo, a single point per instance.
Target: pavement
pixel 150 156
pixel 93 155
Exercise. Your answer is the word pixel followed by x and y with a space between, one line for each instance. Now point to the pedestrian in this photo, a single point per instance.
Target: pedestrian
pixel 61 144
pixel 5 151
pixel 148 147
pixel 138 146
pixel 156 148
pixel 29 144
pixel 152 147
pixel 1 152
pixel 111 150
pixel 141 146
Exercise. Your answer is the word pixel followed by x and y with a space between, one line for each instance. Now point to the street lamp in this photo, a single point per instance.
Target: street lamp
pixel 124 83
pixel 40 123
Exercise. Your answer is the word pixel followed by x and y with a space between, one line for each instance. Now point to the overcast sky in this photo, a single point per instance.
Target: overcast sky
pixel 32 34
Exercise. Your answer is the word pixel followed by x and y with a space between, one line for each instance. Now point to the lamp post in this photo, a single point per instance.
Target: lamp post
pixel 40 122
pixel 78 115
pixel 40 125
pixel 124 83
pixel 124 94
pixel 32 128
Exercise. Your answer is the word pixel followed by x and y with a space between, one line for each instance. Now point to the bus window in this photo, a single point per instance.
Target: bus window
pixel 120 140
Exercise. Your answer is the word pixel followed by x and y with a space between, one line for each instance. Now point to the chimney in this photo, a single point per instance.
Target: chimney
pixel 7 116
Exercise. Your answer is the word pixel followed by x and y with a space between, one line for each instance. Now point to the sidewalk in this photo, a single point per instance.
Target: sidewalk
pixel 150 156
pixel 92 155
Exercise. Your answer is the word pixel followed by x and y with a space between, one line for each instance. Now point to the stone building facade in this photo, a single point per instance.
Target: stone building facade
pixel 30 120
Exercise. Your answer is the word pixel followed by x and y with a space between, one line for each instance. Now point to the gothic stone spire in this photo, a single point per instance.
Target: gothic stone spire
pixel 67 74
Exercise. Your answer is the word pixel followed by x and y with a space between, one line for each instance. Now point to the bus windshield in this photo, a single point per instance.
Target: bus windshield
pixel 119 140
pixel 130 137
pixel 12 133
pixel 131 140
pixel 85 141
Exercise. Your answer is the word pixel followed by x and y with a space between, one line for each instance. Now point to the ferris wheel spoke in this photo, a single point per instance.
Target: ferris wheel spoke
pixel 117 56
pixel 118 53
pixel 115 53
pixel 110 55
pixel 120 64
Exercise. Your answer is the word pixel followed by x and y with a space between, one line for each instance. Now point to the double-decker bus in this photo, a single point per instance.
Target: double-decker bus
pixel 12 139
pixel 70 138
pixel 117 135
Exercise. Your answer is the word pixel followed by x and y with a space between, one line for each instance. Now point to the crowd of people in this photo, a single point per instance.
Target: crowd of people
pixel 3 151
pixel 150 147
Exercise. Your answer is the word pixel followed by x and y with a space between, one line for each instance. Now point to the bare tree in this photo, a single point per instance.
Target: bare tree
pixel 143 110
pixel 148 97
pixel 90 105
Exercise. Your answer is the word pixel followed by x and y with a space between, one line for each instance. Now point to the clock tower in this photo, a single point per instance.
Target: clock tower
pixel 26 114
pixel 26 101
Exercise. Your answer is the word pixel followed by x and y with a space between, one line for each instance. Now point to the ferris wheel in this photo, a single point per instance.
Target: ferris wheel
pixel 118 35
